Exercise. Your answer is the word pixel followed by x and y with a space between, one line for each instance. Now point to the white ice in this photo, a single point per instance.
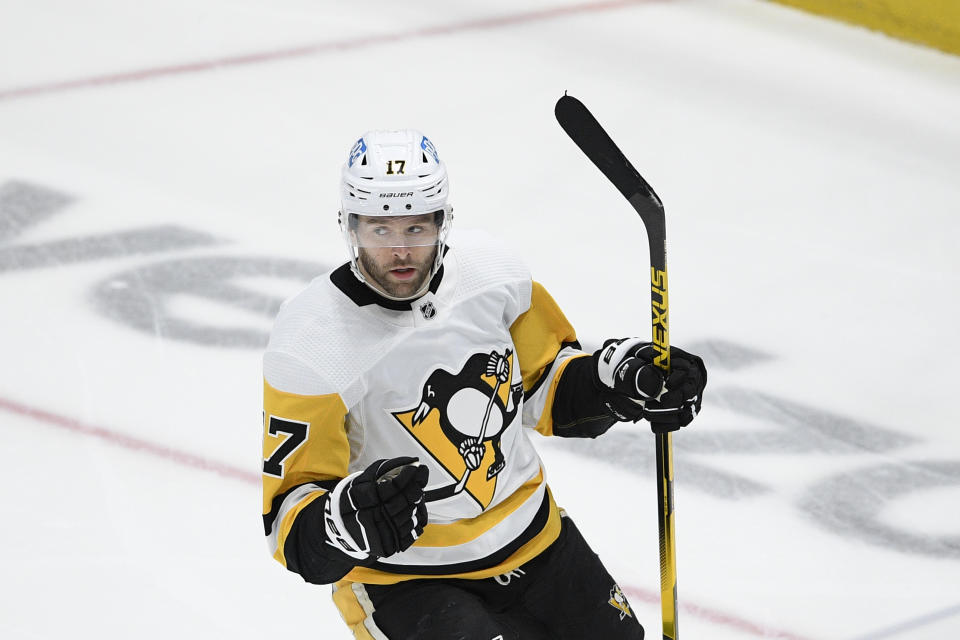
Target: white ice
pixel 809 171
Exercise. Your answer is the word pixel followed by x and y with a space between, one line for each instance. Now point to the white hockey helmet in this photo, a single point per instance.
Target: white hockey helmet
pixel 393 174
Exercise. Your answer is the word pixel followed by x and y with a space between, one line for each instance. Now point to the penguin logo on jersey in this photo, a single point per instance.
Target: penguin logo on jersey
pixel 460 419
pixel 619 602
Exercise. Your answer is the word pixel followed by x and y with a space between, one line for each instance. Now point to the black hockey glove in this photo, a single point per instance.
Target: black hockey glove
pixel 625 379
pixel 682 395
pixel 632 387
pixel 379 511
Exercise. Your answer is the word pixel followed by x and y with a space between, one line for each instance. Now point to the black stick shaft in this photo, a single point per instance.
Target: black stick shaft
pixel 594 141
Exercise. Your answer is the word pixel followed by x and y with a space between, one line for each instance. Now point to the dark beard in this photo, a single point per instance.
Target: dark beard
pixel 378 276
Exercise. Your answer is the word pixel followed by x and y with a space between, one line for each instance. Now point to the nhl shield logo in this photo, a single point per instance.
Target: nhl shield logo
pixel 428 310
pixel 460 420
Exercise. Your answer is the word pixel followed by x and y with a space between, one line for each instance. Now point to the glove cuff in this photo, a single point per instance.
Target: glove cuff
pixel 338 535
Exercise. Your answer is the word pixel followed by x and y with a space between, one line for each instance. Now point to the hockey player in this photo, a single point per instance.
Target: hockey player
pixel 400 390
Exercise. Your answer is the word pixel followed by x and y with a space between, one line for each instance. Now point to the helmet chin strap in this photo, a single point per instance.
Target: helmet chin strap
pixel 354 251
pixel 358 272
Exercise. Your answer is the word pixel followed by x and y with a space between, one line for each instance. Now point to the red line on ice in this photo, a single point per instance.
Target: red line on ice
pixel 205 464
pixel 359 42
pixel 712 615
pixel 130 442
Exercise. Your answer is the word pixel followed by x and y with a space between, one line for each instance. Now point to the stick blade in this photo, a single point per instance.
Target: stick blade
pixel 597 145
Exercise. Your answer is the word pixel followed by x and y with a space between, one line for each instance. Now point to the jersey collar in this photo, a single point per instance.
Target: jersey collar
pixel 343 279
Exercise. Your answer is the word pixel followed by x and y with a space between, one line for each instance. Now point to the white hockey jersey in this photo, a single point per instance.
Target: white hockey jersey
pixel 351 378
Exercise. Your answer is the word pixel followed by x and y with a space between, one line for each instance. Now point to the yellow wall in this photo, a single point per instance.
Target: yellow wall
pixel 932 22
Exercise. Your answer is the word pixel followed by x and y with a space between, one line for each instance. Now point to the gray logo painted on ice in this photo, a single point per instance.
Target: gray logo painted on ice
pixel 141 298
pixel 847 503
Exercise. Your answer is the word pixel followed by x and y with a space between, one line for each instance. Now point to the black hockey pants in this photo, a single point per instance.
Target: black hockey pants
pixel 565 593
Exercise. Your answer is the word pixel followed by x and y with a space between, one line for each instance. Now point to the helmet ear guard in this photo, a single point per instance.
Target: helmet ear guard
pixel 394 174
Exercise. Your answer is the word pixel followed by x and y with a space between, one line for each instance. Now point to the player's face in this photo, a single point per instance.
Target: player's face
pixel 396 254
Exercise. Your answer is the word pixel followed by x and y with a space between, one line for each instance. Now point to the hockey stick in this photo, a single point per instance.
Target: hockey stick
pixel 589 135
pixel 493 369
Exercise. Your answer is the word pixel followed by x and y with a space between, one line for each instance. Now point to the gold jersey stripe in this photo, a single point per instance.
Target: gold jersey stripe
pixel 463 531
pixel 350 609
pixel 325 455
pixel 538 334
pixel 545 423
pixel 534 547
pixel 287 523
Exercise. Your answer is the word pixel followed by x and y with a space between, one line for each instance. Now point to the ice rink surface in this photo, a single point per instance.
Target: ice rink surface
pixel 168 174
